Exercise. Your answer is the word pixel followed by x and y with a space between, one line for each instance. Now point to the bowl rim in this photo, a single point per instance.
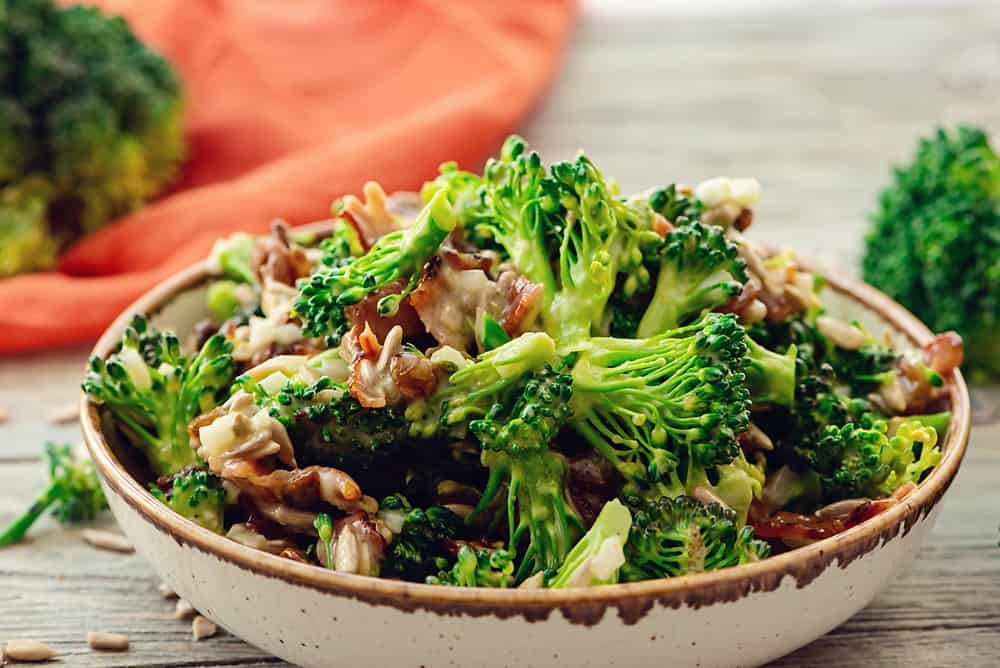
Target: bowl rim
pixel 581 605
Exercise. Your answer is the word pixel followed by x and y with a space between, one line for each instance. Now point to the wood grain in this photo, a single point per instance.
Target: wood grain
pixel 816 105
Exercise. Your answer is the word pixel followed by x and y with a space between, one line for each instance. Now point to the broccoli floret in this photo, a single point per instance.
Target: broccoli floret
pixel 472 390
pixel 231 258
pixel 598 556
pixel 913 451
pixel 700 269
pixel 419 549
pixel 153 391
pixel 328 425
pixel 543 525
pixel 90 127
pixel 650 405
pixel 674 537
pixel 73 493
pixel 934 244
pixel 592 247
pixel 478 568
pixel 197 495
pixel 860 459
pixel 398 255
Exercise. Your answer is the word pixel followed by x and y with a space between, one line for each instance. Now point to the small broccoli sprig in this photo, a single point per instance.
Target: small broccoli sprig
pixel 398 255
pixel 478 568
pixel 913 451
pixel 328 425
pixel 154 391
pixel 934 244
pixel 73 493
pixel 543 525
pixel 598 556
pixel 90 127
pixel 419 549
pixel 700 269
pixel 674 537
pixel 197 495
pixel 473 389
pixel 649 405
pixel 592 246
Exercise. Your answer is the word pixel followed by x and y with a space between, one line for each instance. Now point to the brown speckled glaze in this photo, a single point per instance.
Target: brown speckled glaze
pixel 631 601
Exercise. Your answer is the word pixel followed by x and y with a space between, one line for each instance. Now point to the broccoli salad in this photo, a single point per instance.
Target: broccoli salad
pixel 527 380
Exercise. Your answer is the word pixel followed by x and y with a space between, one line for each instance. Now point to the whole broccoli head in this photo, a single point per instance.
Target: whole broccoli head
pixel 515 436
pixel 934 245
pixel 90 127
pixel 419 549
pixel 154 391
pixel 328 426
pixel 73 493
pixel 197 495
pixel 339 282
pixel 478 568
pixel 674 537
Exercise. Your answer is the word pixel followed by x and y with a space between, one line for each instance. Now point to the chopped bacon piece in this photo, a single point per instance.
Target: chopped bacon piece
pixel 301 488
pixel 365 313
pixel 524 301
pixel 414 375
pixel 944 352
pixel 796 529
pixel 279 259
pixel 371 218
pixel 744 220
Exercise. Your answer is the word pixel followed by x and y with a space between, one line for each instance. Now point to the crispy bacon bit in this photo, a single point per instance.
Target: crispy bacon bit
pixel 661 225
pixel 371 380
pixel 741 302
pixel 300 488
pixel 795 529
pixel 365 313
pixel 455 288
pixel 414 375
pixel 295 554
pixel 945 352
pixel 463 261
pixel 371 218
pixel 524 301
pixel 744 220
pixel 279 259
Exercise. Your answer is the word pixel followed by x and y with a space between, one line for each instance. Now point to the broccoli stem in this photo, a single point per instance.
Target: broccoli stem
pixel 770 376
pixel 19 527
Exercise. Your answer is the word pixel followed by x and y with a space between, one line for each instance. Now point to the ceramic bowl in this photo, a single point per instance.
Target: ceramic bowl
pixel 742 616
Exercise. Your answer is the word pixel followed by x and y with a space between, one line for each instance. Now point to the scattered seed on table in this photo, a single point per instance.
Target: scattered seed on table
pixel 184 610
pixel 28 650
pixel 105 540
pixel 202 628
pixel 112 642
pixel 64 413
pixel 166 591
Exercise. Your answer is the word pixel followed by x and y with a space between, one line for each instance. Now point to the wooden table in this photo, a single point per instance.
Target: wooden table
pixel 815 106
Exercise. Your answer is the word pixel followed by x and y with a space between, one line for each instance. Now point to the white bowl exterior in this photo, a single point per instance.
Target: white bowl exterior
pixel 312 628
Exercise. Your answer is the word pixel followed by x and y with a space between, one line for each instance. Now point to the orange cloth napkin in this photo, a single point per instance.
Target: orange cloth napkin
pixel 291 104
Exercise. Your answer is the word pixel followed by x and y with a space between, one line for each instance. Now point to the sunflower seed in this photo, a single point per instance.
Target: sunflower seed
pixel 105 540
pixel 166 591
pixel 63 413
pixel 112 642
pixel 28 650
pixel 202 628
pixel 184 610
